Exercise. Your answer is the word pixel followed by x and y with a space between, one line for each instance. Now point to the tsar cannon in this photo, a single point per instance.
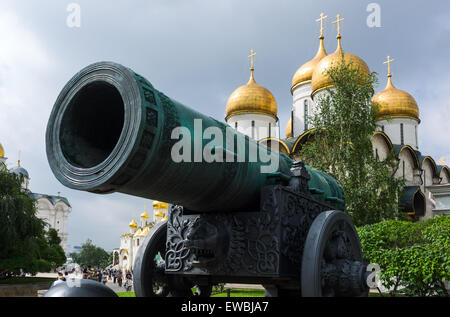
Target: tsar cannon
pixel 232 220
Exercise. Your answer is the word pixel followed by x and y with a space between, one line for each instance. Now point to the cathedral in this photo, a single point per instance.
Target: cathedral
pixel 131 241
pixel 252 110
pixel 54 210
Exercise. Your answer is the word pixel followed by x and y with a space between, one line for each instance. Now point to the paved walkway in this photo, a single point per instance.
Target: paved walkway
pixel 115 287
pixel 110 283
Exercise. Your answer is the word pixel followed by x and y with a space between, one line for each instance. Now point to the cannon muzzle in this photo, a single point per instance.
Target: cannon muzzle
pixel 111 131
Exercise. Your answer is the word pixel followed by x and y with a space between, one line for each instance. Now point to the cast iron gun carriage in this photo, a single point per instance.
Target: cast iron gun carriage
pixel 111 131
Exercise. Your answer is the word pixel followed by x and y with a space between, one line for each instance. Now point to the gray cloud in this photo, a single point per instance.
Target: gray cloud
pixel 196 52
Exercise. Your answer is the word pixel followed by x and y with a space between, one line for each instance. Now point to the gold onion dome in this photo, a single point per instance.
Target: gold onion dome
pixel 251 98
pixel 138 233
pixel 321 78
pixel 145 231
pixel 393 102
pixel 305 72
pixel 289 128
pixel 145 215
pixel 133 224
pixel 2 151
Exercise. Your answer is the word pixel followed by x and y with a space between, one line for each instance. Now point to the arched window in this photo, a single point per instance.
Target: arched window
pixel 402 140
pixel 253 129
pixel 417 140
pixel 306 115
pixel 403 169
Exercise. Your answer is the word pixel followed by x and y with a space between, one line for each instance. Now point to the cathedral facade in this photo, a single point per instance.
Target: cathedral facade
pixel 131 241
pixel 427 190
pixel 53 209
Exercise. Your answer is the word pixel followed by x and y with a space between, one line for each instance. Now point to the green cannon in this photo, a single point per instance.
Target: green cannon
pixel 241 212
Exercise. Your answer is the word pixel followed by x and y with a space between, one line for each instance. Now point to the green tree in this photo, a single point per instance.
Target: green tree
pixel 75 257
pixel 22 233
pixel 92 255
pixel 24 242
pixel 52 252
pixel 414 258
pixel 345 120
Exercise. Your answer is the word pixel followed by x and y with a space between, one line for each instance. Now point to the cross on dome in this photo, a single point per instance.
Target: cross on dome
pixel 338 22
pixel 388 62
pixel 322 17
pixel 252 61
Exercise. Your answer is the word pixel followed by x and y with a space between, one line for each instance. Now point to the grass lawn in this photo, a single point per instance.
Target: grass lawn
pixel 126 294
pixel 234 293
pixel 26 280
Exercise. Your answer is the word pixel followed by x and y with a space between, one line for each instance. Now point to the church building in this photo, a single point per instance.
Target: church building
pixel 252 107
pixel 54 210
pixel 131 241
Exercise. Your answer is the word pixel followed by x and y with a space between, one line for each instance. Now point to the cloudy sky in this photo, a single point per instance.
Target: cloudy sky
pixel 196 52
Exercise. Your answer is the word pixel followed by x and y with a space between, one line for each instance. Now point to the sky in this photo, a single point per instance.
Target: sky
pixel 196 51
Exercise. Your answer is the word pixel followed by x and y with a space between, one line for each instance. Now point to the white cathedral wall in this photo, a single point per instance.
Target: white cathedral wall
pixel 302 94
pixel 380 147
pixel 406 160
pixel 260 130
pixel 392 128
pixel 56 216
pixel 445 177
pixel 428 173
pixel 428 180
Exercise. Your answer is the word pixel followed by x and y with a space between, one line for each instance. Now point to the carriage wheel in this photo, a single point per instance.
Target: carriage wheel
pixel 332 263
pixel 149 278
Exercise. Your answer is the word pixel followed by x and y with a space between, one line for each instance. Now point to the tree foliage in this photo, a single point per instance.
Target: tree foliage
pixel 414 257
pixel 92 255
pixel 345 121
pixel 24 242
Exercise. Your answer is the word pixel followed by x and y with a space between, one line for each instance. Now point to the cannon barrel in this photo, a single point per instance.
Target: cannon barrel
pixel 111 131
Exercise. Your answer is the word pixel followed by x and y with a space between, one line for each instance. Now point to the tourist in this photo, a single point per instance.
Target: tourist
pixel 119 278
pixel 129 282
pixel 114 276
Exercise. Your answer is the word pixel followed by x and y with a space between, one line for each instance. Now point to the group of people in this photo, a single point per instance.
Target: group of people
pixel 102 276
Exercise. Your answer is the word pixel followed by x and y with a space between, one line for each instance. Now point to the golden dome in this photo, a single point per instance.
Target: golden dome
pixel 145 231
pixel 251 98
pixel 305 72
pixel 133 224
pixel 320 78
pixel 2 151
pixel 394 102
pixel 289 128
pixel 160 205
pixel 145 215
